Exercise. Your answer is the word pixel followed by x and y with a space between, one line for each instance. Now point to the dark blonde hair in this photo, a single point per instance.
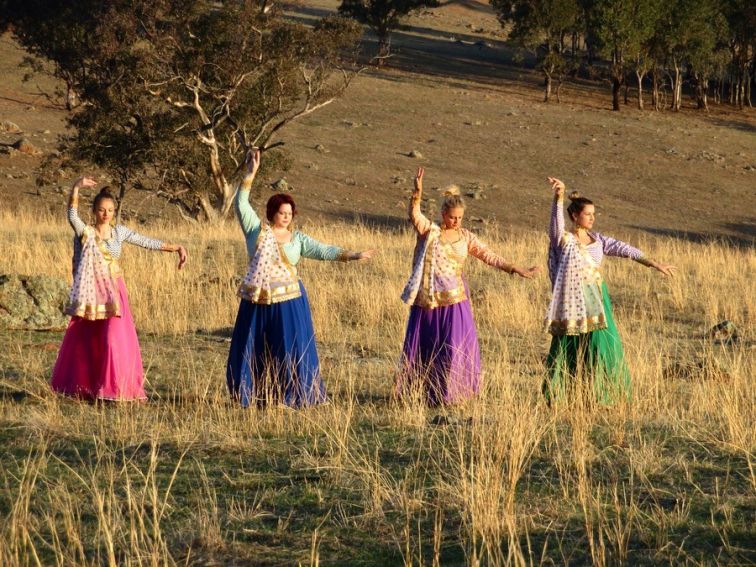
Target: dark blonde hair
pixel 452 199
pixel 577 204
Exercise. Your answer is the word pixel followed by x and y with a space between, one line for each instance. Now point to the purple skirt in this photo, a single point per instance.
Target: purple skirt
pixel 441 357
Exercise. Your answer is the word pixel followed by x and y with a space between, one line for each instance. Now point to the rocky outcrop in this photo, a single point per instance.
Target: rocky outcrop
pixel 32 302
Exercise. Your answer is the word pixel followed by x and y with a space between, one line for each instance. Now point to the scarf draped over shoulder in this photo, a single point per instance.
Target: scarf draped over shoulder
pixel 436 279
pixel 270 277
pixel 577 305
pixel 94 293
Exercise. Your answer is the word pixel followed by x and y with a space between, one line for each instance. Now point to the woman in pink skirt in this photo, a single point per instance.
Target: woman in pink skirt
pixel 100 357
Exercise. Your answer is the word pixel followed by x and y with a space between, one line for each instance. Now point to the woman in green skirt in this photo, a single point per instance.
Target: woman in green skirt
pixel 586 350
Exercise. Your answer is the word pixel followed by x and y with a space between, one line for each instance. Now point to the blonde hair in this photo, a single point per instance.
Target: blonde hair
pixel 452 199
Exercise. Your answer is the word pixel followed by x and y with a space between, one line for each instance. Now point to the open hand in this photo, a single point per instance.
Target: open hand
pixel 419 178
pixel 365 255
pixel 85 181
pixel 252 161
pixel 557 186
pixel 666 269
pixel 182 256
pixel 528 273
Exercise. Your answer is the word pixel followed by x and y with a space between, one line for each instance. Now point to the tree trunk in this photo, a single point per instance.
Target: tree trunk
pixel 616 88
pixel 702 85
pixel 676 88
pixel 748 88
pixel 559 88
pixel 121 194
pixel 72 99
pixel 547 87
pixel 655 89
pixel 640 76
pixel 384 48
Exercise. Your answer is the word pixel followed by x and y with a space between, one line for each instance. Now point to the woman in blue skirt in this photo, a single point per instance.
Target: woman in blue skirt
pixel 273 357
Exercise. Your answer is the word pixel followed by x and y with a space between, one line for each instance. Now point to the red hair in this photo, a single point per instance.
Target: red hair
pixel 275 202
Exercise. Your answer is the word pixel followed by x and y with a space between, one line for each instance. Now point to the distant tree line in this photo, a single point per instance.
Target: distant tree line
pixel 709 44
pixel 174 92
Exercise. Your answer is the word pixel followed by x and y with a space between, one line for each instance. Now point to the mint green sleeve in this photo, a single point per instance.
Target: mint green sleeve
pixel 311 248
pixel 248 219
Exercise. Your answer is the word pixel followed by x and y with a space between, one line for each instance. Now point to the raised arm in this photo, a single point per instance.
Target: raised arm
pixel 556 226
pixel 246 215
pixel 421 223
pixel 73 204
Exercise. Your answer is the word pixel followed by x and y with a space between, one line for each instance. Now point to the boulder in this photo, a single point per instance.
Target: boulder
pixel 9 127
pixel 26 147
pixel 281 185
pixel 32 302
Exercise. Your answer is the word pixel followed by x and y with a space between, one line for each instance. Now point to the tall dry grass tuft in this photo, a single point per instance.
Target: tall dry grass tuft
pixel 500 480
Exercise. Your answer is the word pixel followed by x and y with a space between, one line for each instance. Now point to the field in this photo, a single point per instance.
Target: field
pixel 188 478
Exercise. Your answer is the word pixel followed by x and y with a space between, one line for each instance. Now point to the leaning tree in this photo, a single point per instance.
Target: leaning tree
pixel 176 91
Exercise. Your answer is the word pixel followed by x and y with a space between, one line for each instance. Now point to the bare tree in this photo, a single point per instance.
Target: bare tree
pixel 176 90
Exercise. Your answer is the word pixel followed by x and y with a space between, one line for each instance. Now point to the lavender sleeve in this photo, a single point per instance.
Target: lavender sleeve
pixel 613 247
pixel 556 226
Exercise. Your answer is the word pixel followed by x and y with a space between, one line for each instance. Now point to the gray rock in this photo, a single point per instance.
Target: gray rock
pixel 724 333
pixel 9 127
pixel 26 147
pixel 321 148
pixel 281 185
pixel 415 154
pixel 32 302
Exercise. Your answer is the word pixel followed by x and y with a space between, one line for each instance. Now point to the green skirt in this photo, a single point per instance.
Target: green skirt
pixel 592 363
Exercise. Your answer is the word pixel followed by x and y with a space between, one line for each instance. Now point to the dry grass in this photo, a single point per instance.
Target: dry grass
pixel 190 479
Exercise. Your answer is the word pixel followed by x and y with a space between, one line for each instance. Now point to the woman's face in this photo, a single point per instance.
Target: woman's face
pixel 282 219
pixel 104 211
pixel 453 217
pixel 585 218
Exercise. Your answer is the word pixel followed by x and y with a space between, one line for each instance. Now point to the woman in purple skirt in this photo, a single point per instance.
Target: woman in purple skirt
pixel 441 357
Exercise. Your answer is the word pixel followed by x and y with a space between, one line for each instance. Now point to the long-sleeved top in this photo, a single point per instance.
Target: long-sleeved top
pixel 600 247
pixel 300 246
pixel 119 235
pixel 436 279
pixel 468 244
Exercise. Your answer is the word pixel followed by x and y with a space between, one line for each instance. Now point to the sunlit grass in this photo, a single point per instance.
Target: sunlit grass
pixel 188 478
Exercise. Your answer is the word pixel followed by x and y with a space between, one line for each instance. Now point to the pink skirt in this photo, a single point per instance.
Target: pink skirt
pixel 101 359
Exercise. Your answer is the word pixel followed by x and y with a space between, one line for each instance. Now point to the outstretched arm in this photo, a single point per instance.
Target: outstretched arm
pixel 614 247
pixel 247 216
pixel 133 237
pixel 476 247
pixel 556 226
pixel 421 223
pixel 316 250
pixel 73 203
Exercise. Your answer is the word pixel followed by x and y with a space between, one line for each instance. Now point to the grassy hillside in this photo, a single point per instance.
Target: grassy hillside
pixel 188 478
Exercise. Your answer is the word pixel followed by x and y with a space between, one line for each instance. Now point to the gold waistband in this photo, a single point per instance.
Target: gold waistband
pixel 440 298
pixel 270 296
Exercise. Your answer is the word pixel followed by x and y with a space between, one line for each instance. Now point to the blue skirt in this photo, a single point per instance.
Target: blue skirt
pixel 273 357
